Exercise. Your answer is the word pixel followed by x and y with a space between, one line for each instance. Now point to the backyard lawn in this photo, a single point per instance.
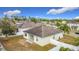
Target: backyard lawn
pixel 70 40
pixel 15 44
pixel 18 43
pixel 36 47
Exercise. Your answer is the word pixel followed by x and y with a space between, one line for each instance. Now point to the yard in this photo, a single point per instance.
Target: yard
pixel 15 44
pixel 18 43
pixel 36 47
pixel 70 40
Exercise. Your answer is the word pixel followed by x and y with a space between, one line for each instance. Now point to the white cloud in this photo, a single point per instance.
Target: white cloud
pixel 61 10
pixel 76 17
pixel 13 12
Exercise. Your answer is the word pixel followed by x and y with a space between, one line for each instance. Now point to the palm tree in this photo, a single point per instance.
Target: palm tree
pixel 58 22
pixel 62 26
pixel 65 28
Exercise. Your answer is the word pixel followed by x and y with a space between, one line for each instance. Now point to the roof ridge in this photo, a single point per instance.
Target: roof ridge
pixel 42 31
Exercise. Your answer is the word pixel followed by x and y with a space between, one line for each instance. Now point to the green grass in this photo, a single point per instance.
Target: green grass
pixel 70 40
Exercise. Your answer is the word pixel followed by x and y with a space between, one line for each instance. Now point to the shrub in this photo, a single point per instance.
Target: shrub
pixel 64 49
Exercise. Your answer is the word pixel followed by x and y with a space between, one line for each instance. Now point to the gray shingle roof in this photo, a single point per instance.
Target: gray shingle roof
pixel 43 31
pixel 25 24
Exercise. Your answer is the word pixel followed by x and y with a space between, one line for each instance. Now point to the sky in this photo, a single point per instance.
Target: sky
pixel 42 12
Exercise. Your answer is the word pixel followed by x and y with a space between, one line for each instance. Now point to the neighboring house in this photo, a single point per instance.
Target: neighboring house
pixel 53 25
pixel 25 25
pixel 44 22
pixel 73 25
pixel 42 35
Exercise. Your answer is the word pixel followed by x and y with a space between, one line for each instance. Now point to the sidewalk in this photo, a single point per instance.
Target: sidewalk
pixel 61 44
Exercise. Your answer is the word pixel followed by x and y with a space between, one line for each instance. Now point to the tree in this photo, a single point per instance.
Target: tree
pixel 17 18
pixel 58 24
pixel 65 28
pixel 62 26
pixel 7 28
pixel 33 19
pixel 77 20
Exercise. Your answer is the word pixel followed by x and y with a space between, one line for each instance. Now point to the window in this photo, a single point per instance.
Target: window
pixel 25 34
pixel 59 37
pixel 53 37
pixel 31 37
pixel 36 39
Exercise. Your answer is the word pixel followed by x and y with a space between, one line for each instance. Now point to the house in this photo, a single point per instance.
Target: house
pixel 73 25
pixel 53 25
pixel 50 24
pixel 42 35
pixel 25 25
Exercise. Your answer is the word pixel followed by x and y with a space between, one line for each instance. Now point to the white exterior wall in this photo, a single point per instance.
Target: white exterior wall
pixel 28 37
pixel 57 36
pixel 20 31
pixel 70 25
pixel 45 40
pixel 42 41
